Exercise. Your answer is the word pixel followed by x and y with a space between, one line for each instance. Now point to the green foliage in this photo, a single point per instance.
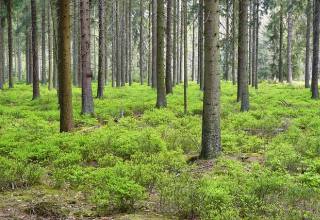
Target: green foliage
pixel 129 153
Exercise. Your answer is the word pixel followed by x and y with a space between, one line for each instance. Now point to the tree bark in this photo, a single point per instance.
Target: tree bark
pixel 308 44
pixel 50 76
pixel 64 66
pixel 257 45
pixel 130 43
pixel 101 73
pixel 315 61
pixel 234 41
pixel 35 69
pixel 161 89
pixel 243 54
pixel 289 43
pixel 227 43
pixel 200 45
pixel 169 48
pixel 193 75
pixel 75 44
pixel 87 100
pixel 141 64
pixel 10 40
pixel 185 41
pixel 1 50
pixel 154 43
pixel 211 133
pixel 174 43
pixel 43 41
pixel 281 45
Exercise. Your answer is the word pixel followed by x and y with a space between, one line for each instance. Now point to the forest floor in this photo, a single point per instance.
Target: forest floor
pixel 132 161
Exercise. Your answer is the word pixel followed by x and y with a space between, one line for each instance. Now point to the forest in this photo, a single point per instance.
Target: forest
pixel 159 109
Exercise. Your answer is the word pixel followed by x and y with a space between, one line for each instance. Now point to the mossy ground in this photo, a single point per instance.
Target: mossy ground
pixel 132 158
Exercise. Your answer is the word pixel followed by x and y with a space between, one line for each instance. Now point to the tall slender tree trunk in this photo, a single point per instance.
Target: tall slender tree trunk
pixel 289 44
pixel 169 48
pixel 177 80
pixel 19 62
pixel 50 76
pixel 315 61
pixel 252 40
pixel 150 45
pixel 174 43
pixel 193 75
pixel 141 64
pixel 122 45
pixel 35 69
pixel 161 88
pixel 243 54
pixel 185 41
pixel 281 45
pixel 64 66
pixel 154 43
pixel 308 44
pixel 181 59
pixel 117 41
pixel 130 42
pixel 211 133
pixel 43 41
pixel 1 50
pixel 234 41
pixel 75 44
pixel 27 56
pixel 200 45
pixel 10 40
pixel 257 24
pixel 87 100
pixel 227 43
pixel 30 57
pixel 101 73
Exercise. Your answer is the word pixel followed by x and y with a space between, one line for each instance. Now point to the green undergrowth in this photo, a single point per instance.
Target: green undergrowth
pixel 130 155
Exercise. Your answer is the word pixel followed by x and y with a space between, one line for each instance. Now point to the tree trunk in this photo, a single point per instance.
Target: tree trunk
pixel 75 44
pixel 43 41
pixel 234 41
pixel 257 46
pixel 10 49
pixel 211 137
pixel 227 42
pixel 117 41
pixel 200 45
pixel 50 76
pixel 150 45
pixel 289 44
pixel 87 100
pixel 174 43
pixel 101 73
pixel 169 48
pixel 243 54
pixel 308 45
pixel 64 66
pixel 1 50
pixel 154 43
pixel 19 63
pixel 180 72
pixel 141 64
pixel 185 40
pixel 35 69
pixel 315 61
pixel 281 45
pixel 193 76
pixel 130 43
pixel 161 89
